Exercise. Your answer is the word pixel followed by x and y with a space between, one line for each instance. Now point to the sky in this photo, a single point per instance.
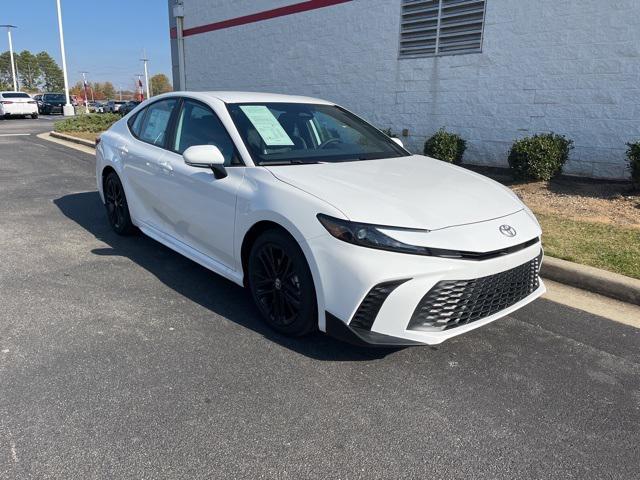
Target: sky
pixel 105 38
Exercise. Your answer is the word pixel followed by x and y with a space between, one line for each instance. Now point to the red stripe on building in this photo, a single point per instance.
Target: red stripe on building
pixel 260 16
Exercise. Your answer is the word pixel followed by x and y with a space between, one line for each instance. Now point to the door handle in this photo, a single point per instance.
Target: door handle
pixel 165 166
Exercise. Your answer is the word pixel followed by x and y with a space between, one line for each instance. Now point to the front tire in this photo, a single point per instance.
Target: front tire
pixel 281 284
pixel 115 201
pixel 34 116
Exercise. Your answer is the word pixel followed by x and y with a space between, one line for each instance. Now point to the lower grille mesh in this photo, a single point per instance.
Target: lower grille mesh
pixel 452 303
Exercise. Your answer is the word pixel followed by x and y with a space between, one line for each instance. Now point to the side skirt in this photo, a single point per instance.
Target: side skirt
pixel 191 253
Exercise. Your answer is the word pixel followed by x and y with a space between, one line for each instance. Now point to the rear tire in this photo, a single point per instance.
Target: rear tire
pixel 34 116
pixel 115 201
pixel 281 284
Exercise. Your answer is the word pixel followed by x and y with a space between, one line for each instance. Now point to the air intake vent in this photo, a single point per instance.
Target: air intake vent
pixel 372 303
pixel 441 27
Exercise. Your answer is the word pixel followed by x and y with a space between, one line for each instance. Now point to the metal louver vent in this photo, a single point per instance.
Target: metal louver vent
pixel 441 27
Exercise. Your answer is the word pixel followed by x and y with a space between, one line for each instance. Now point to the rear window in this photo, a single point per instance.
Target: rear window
pixel 15 95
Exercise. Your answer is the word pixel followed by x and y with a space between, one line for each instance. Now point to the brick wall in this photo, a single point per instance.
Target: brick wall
pixel 571 66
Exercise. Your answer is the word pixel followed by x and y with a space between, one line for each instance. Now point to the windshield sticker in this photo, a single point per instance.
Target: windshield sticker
pixel 267 125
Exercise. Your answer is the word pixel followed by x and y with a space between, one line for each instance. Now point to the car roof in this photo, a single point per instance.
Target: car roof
pixel 254 97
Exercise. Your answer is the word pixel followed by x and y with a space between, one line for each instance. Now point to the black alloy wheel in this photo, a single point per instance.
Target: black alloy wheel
pixel 115 202
pixel 281 284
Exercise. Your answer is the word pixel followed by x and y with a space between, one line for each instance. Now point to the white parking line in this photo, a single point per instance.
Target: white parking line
pixel 14 134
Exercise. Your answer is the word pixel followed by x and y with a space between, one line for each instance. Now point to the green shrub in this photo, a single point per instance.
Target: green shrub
pixel 633 154
pixel 91 123
pixel 540 157
pixel 445 146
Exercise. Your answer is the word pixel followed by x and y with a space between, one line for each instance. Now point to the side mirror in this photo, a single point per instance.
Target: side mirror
pixel 398 141
pixel 206 156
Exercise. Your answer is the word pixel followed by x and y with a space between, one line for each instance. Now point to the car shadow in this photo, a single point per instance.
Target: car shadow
pixel 198 284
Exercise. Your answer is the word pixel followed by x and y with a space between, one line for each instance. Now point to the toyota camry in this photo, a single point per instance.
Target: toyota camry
pixel 329 223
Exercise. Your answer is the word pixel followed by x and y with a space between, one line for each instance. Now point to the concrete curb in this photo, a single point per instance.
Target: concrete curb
pixel 70 138
pixel 593 279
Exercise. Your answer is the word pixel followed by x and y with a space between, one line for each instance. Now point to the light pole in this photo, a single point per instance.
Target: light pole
pixel 178 13
pixel 84 87
pixel 68 109
pixel 13 65
pixel 146 73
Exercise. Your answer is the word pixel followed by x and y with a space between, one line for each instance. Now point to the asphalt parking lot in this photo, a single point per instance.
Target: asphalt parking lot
pixel 122 359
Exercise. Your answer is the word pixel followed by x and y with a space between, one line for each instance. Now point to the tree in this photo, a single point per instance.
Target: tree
pixel 108 90
pixel 6 80
pixel 160 84
pixel 29 70
pixel 77 90
pixel 52 78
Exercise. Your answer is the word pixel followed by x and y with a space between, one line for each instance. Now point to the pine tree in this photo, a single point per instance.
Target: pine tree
pixel 52 78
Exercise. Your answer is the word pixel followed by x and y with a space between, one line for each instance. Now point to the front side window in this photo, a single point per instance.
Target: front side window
pixel 199 125
pixel 156 121
pixel 277 133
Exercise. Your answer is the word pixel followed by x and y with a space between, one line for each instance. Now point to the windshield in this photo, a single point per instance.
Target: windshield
pixel 284 133
pixel 53 97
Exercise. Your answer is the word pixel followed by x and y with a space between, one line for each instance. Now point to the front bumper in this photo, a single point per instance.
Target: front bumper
pixel 350 273
pixel 52 109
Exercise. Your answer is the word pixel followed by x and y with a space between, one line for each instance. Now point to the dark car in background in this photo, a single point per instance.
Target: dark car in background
pixel 38 99
pixel 127 107
pixel 52 103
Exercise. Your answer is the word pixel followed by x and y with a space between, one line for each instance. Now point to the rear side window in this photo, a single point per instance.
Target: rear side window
pixel 156 121
pixel 15 95
pixel 135 123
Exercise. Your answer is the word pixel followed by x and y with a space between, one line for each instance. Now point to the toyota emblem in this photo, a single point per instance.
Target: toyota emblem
pixel 508 230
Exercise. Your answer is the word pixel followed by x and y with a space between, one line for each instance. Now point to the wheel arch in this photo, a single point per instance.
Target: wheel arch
pixel 261 226
pixel 106 171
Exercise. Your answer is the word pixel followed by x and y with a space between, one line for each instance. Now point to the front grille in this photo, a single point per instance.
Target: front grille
pixel 372 303
pixel 452 303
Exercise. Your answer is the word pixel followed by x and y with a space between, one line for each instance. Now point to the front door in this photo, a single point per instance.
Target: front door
pixel 199 209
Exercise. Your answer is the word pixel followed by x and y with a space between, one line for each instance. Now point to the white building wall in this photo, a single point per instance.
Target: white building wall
pixel 568 66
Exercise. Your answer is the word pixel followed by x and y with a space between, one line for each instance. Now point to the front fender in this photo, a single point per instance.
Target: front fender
pixel 265 198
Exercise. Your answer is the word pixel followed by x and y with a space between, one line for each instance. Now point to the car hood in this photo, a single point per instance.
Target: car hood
pixel 412 192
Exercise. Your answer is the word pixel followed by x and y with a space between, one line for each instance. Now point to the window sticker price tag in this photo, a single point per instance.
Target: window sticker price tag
pixel 267 125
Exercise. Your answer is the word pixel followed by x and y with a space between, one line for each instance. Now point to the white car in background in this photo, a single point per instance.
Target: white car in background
pixel 17 104
pixel 330 224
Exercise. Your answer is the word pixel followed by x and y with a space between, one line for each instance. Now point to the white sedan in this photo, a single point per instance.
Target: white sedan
pixel 328 222
pixel 17 104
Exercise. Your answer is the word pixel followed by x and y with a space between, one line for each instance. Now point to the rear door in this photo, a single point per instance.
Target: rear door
pixel 143 159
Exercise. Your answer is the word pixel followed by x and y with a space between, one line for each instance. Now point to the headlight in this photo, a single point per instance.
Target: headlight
pixel 367 235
